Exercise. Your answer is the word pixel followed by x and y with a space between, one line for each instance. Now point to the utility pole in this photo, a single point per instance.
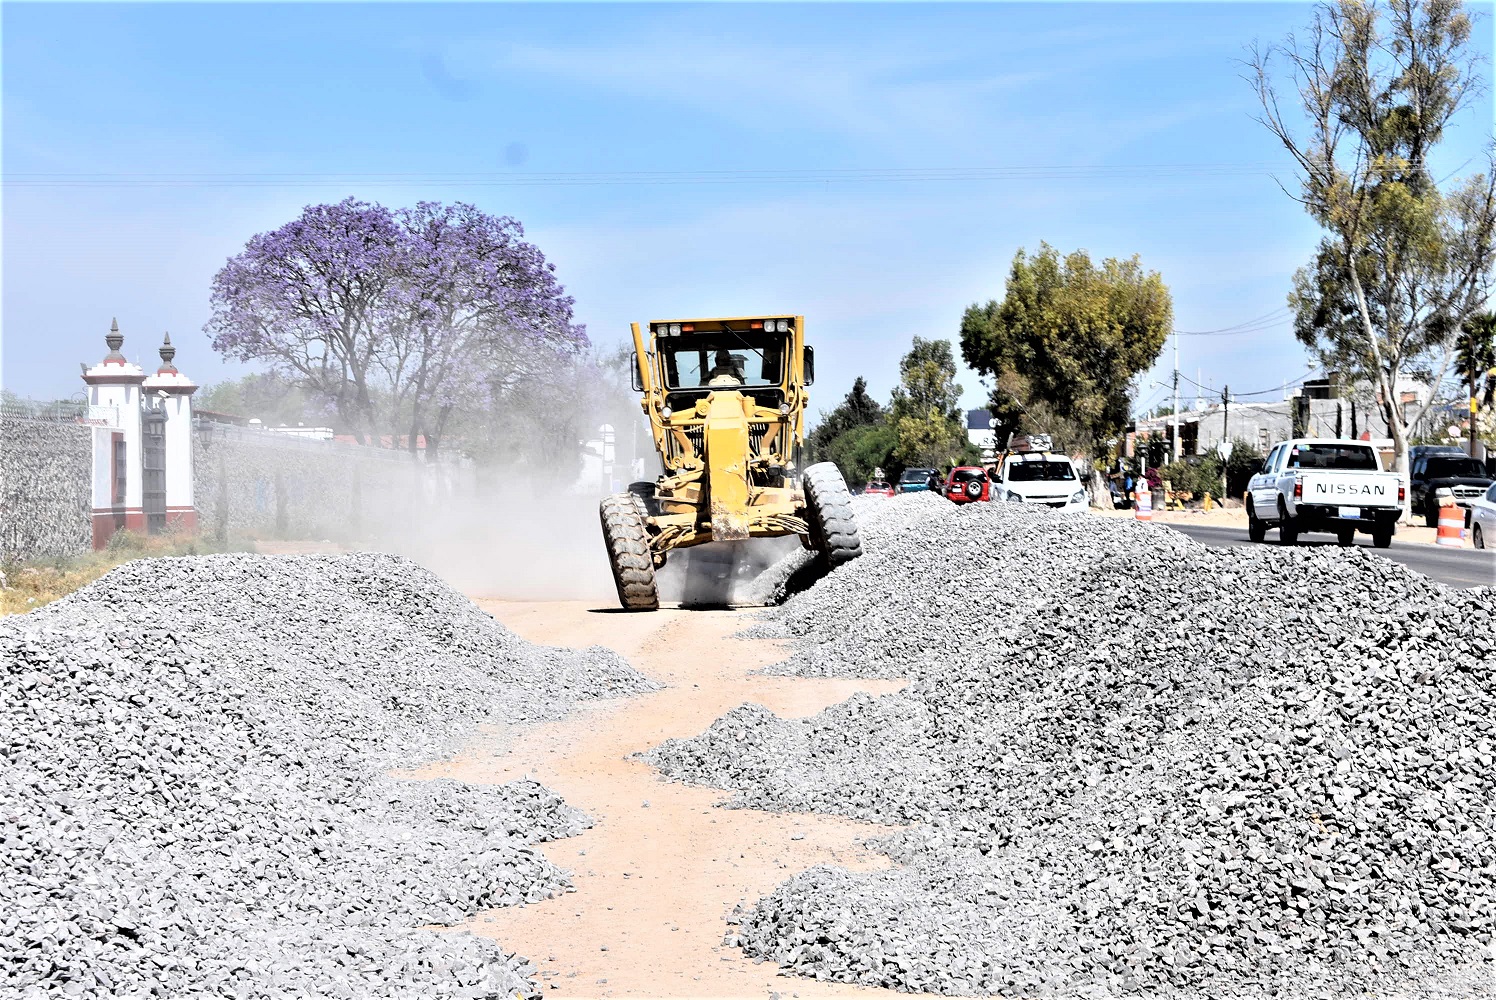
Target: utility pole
pixel 1225 437
pixel 1176 395
pixel 1473 405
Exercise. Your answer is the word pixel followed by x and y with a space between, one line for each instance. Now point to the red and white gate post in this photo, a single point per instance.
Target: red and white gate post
pixel 115 391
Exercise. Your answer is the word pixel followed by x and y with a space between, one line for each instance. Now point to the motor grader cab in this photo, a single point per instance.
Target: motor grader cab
pixel 725 399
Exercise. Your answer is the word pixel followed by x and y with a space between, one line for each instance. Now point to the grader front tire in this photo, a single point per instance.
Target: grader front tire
pixel 628 551
pixel 828 508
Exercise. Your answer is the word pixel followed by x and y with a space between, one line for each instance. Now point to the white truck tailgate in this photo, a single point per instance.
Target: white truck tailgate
pixel 1362 489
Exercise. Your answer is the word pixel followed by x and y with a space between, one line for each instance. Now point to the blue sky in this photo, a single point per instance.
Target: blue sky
pixel 214 123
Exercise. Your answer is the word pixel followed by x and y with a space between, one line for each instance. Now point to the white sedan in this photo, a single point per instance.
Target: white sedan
pixel 1483 519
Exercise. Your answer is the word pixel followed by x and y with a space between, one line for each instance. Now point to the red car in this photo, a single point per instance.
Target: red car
pixel 877 488
pixel 967 484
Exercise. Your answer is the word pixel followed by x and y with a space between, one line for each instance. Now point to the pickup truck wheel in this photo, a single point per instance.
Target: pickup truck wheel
pixel 1288 532
pixel 1382 537
pixel 1430 513
pixel 1346 537
pixel 1256 530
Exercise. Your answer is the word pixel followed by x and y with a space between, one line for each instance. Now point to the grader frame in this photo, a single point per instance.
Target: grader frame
pixel 725 399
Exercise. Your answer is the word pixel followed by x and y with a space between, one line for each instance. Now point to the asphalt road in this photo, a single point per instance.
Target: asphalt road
pixel 1450 566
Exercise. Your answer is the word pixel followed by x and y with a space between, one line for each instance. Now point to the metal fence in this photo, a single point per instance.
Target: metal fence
pixel 59 410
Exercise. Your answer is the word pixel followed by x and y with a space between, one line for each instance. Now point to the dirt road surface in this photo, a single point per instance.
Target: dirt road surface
pixel 663 866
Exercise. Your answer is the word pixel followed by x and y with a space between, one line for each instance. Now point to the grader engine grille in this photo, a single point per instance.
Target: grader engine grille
pixel 696 436
pixel 756 435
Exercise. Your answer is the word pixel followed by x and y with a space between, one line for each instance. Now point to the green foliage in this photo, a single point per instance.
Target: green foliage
pixel 926 408
pixel 1402 264
pixel 1068 335
pixel 861 450
pixel 1475 361
pixel 268 397
pixel 1198 476
pixel 857 409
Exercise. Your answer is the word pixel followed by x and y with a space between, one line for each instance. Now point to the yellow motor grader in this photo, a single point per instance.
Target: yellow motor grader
pixel 726 401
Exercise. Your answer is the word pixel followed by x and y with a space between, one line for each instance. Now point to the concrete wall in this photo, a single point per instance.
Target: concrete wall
pixel 258 484
pixel 46 483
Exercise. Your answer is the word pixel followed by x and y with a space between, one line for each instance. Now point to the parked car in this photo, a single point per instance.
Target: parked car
pixel 877 488
pixel 1436 475
pixel 1309 484
pixel 1040 478
pixel 917 480
pixel 1483 519
pixel 967 484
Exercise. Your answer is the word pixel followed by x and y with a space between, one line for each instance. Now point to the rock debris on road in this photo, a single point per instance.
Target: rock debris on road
pixel 195 798
pixel 1128 761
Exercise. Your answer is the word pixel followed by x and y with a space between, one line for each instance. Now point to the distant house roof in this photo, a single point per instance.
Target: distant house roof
pixel 978 420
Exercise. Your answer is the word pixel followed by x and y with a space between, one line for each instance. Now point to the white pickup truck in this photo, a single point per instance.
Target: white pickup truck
pixel 1310 484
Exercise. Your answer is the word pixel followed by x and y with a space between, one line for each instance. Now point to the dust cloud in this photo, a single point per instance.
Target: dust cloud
pixel 522 540
pixel 516 539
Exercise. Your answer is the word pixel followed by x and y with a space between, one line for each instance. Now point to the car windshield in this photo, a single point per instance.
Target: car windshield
pixel 1356 457
pixel 968 475
pixel 1441 468
pixel 698 361
pixel 915 475
pixel 1046 471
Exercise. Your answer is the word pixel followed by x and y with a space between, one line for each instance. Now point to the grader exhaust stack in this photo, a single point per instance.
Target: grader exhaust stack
pixel 726 401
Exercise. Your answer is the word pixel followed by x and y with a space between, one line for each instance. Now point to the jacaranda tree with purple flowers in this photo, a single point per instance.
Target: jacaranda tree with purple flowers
pixel 402 320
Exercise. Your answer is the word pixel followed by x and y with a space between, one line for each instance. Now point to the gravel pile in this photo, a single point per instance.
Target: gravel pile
pixel 1128 761
pixel 195 798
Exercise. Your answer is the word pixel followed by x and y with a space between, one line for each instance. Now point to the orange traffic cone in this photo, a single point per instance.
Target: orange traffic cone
pixel 1451 524
pixel 1143 509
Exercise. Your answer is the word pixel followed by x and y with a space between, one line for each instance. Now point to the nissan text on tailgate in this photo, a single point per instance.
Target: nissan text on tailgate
pixel 1335 486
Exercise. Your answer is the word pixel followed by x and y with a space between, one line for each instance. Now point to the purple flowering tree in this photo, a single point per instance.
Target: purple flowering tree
pixel 482 312
pixel 400 320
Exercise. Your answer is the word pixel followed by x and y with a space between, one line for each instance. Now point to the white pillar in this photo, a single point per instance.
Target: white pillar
pixel 114 397
pixel 174 392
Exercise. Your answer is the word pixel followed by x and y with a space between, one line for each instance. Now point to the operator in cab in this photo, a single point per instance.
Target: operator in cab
pixel 725 372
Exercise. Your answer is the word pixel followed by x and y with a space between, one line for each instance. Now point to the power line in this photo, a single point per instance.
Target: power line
pixel 857 175
pixel 1260 323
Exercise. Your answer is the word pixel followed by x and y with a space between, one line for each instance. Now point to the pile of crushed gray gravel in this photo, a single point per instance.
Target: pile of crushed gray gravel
pixel 195 799
pixel 1127 761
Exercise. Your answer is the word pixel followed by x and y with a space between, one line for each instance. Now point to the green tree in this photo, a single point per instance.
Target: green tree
pixel 269 398
pixel 857 409
pixel 1069 335
pixel 925 411
pixel 1475 363
pixel 1402 264
pixel 863 449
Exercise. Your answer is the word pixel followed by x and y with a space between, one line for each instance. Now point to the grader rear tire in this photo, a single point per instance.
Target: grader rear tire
pixel 627 539
pixel 828 508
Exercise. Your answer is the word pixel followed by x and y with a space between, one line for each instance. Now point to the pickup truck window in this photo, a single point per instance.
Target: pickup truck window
pixel 1358 458
pixel 1271 462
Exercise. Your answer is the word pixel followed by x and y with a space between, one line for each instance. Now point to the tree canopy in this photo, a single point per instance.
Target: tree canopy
pixel 857 409
pixel 1068 335
pixel 398 319
pixel 1403 262
pixel 925 411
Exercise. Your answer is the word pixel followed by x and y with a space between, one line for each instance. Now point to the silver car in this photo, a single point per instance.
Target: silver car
pixel 1483 519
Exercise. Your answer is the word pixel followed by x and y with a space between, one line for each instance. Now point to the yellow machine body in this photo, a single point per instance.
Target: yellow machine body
pixel 730 442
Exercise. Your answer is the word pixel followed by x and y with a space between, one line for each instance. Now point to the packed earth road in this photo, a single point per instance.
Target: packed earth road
pixel 660 872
